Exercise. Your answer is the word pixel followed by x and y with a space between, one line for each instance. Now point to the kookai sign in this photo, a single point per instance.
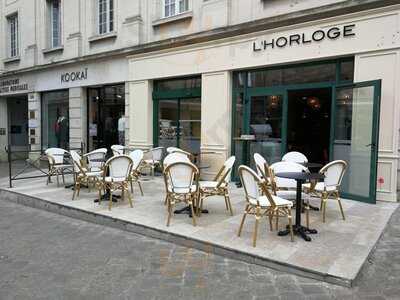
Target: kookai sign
pixel 74 76
pixel 332 33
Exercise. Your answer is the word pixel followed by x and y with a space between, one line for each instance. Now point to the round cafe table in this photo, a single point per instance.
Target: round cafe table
pixel 300 177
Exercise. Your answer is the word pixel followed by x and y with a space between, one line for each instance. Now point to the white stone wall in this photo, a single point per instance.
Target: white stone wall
pixel 77 117
pixel 136 22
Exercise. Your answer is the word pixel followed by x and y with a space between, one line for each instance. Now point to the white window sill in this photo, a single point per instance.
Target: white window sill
pixel 104 36
pixel 53 50
pixel 180 17
pixel 12 59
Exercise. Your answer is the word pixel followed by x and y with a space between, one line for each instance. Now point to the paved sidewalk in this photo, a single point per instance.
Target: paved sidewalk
pixel 48 256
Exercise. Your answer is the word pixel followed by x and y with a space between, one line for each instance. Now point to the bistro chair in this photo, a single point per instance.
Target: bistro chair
pixel 175 149
pixel 181 181
pixel 284 187
pixel 96 159
pixel 262 205
pixel 170 159
pixel 57 167
pixel 333 172
pixel 117 150
pixel 81 175
pixel 137 158
pixel 153 159
pixel 296 157
pixel 118 169
pixel 218 186
pixel 262 168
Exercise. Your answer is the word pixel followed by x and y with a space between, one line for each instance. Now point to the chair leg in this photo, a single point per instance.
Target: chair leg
pixel 140 187
pixel 62 174
pixel 110 200
pixel 130 181
pixel 99 195
pixel 277 219
pixel 170 206
pixel 73 194
pixel 323 208
pixel 129 198
pixel 307 215
pixel 270 221
pixel 243 218
pixel 58 179
pixel 78 189
pixel 166 199
pixel 290 224
pixel 228 201
pixel 256 227
pixel 193 214
pixel 340 205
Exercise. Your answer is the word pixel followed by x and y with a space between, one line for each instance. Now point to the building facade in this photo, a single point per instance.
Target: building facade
pixel 317 76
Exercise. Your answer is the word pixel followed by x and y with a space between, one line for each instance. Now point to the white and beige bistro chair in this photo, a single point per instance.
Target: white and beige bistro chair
pixel 181 181
pixel 81 175
pixel 333 174
pixel 296 157
pixel 117 150
pixel 118 169
pixel 175 149
pixel 262 204
pixel 170 159
pixel 218 186
pixel 262 168
pixel 57 167
pixel 96 159
pixel 137 158
pixel 152 159
pixel 284 187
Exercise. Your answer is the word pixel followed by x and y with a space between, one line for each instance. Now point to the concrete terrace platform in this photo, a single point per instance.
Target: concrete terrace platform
pixel 335 255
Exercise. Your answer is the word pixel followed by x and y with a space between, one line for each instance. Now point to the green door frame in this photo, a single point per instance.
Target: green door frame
pixel 374 138
pixel 177 95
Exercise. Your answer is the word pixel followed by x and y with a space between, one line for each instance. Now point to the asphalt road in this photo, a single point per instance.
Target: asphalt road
pixel 47 256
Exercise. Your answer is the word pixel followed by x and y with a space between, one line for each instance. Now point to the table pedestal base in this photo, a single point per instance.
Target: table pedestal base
pixel 106 197
pixel 299 230
pixel 187 210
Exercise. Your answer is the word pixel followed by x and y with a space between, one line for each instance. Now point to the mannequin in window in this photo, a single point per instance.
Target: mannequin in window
pixel 121 129
pixel 62 129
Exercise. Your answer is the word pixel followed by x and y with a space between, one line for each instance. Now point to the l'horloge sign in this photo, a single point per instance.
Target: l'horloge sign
pixel 319 35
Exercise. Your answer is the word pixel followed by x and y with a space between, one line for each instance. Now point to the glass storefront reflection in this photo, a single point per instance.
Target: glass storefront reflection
pixel 55 119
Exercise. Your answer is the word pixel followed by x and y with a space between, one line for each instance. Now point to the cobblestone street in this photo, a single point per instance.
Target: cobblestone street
pixel 47 256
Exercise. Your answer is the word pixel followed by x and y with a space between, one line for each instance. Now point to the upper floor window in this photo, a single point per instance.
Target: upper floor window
pixel 105 16
pixel 55 23
pixel 12 23
pixel 175 7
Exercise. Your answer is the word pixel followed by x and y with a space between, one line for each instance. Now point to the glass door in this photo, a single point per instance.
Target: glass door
pixel 266 124
pixel 355 126
pixel 168 116
pixel 261 113
pixel 179 123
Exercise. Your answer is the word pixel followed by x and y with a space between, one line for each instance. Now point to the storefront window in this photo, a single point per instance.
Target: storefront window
pixel 178 104
pixel 107 121
pixel 55 119
pixel 347 70
pixel 179 84
pixel 292 75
